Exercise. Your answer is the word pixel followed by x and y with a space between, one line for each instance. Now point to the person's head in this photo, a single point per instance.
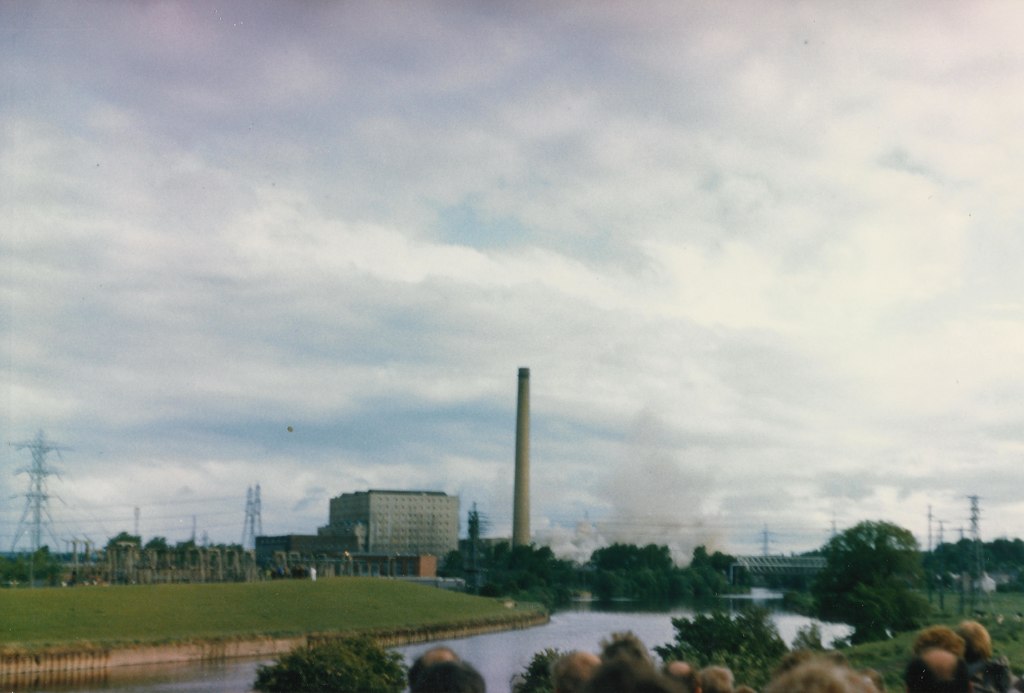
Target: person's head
pixel 977 641
pixel 432 656
pixel 572 670
pixel 625 645
pixel 684 674
pixel 449 677
pixel 875 677
pixel 937 671
pixel 819 675
pixel 942 637
pixel 791 660
pixel 626 675
pixel 715 679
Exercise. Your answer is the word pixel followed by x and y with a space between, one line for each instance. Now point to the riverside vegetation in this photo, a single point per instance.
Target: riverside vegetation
pixel 353 664
pixel 620 571
pixel 875 580
pixel 747 643
pixel 1000 613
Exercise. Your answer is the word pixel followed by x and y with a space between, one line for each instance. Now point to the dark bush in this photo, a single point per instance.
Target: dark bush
pixel 748 643
pixel 350 665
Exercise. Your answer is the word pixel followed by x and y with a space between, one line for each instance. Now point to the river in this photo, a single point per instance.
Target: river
pixel 498 656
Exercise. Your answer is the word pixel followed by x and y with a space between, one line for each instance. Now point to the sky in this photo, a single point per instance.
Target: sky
pixel 763 262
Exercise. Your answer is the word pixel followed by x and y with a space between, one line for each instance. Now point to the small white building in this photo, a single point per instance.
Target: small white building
pixel 986 583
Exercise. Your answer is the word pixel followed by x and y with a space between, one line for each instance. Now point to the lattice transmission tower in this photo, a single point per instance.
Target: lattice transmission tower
pixel 977 569
pixel 253 526
pixel 36 516
pixel 766 540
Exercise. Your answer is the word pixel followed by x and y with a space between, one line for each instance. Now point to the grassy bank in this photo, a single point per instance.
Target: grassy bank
pixel 167 613
pixel 1000 618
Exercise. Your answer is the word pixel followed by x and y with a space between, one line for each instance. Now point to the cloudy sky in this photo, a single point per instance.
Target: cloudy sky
pixel 764 263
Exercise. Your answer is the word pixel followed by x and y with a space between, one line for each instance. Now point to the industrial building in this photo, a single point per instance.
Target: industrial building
pixel 393 533
pixel 396 522
pixel 286 553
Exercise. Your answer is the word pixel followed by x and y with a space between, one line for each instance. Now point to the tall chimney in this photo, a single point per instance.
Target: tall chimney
pixel 521 499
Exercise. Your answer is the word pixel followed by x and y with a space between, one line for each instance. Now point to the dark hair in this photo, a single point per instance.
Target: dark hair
pixel 434 655
pixel 449 677
pixel 921 678
pixel 625 644
pixel 625 675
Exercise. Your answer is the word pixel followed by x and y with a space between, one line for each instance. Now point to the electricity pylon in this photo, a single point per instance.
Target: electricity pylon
pixel 253 518
pixel 37 498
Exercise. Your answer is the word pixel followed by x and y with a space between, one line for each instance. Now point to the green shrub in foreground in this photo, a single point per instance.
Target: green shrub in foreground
pixel 350 665
pixel 537 675
pixel 748 643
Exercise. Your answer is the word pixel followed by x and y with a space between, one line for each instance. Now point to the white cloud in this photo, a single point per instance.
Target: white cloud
pixel 786 235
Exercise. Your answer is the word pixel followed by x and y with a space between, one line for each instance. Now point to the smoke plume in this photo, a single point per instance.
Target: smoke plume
pixel 656 495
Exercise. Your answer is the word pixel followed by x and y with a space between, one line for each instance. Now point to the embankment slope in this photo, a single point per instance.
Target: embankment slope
pixel 102 627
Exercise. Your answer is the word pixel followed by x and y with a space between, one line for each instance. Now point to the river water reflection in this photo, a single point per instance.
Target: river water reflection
pixel 498 656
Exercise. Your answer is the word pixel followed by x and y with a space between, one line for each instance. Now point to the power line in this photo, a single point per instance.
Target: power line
pixel 176 502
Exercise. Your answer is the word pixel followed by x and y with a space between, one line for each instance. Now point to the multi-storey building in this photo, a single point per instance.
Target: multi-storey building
pixel 406 522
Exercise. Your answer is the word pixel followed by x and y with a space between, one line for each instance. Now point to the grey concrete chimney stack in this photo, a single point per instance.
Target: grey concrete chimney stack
pixel 521 499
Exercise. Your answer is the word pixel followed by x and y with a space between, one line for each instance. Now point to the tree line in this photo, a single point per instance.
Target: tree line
pixel 620 571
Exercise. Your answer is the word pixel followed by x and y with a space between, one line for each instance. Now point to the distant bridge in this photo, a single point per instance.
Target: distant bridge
pixel 778 565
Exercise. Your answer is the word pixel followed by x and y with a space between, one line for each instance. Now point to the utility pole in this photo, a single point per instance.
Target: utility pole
pixel 246 535
pixel 931 556
pixel 473 570
pixel 942 575
pixel 37 498
pixel 764 540
pixel 929 528
pixel 961 567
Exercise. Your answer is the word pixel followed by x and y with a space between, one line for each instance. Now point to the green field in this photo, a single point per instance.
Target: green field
pixel 1006 629
pixel 164 613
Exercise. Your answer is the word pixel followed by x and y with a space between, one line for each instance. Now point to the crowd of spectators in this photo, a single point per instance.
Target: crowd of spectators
pixel 943 660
